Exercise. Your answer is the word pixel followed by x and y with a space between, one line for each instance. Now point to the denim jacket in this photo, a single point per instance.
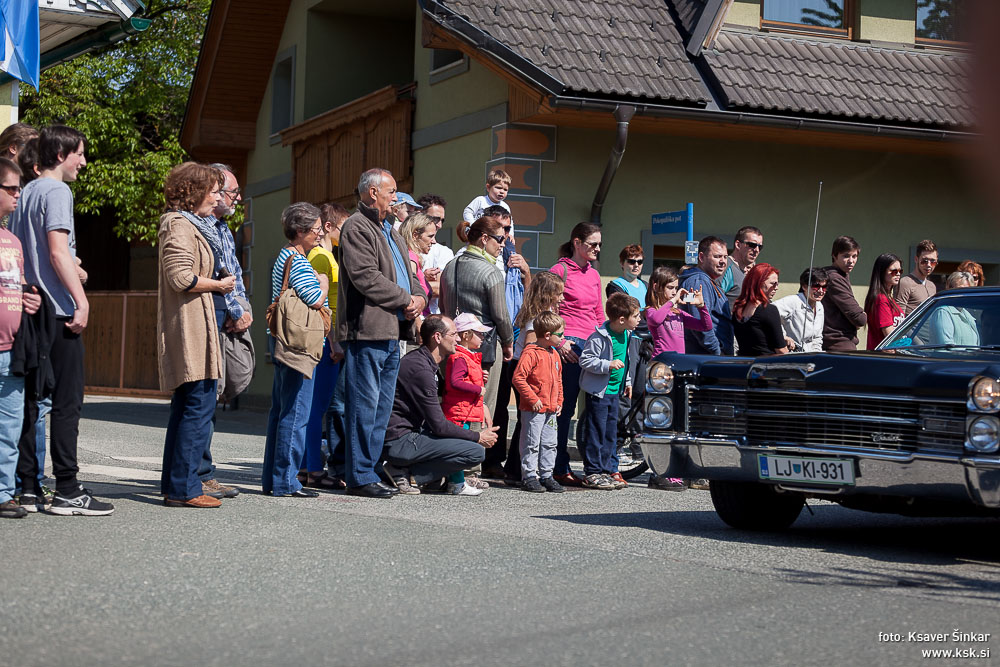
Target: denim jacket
pixel 595 362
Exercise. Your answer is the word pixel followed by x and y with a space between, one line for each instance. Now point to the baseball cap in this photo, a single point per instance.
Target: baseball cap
pixel 469 322
pixel 403 198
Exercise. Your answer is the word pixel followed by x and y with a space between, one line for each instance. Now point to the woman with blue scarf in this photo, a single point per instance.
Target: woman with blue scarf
pixel 190 311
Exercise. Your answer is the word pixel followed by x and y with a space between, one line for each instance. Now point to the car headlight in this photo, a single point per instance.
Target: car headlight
pixel 984 394
pixel 660 378
pixel 660 412
pixel 984 435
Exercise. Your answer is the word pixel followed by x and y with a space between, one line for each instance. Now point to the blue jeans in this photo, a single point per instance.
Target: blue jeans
pixel 11 416
pixel 324 382
pixel 335 433
pixel 291 400
pixel 206 469
pixel 571 391
pixel 44 408
pixel 189 432
pixel 371 367
pixel 600 434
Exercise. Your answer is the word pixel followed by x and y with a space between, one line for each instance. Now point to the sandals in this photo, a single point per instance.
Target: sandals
pixel 322 480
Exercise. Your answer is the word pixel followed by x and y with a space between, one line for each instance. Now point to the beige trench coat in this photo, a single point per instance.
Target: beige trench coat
pixel 186 332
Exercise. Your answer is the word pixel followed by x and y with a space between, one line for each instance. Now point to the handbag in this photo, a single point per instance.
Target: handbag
pixel 489 346
pixel 298 327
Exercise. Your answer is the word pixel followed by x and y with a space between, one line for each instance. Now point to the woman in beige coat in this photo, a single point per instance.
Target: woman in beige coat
pixel 187 326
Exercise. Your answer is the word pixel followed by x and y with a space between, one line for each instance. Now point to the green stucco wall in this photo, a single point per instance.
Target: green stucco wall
pixel 340 42
pixel 888 21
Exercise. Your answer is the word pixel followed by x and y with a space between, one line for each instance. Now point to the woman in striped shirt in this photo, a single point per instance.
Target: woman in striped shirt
pixel 291 396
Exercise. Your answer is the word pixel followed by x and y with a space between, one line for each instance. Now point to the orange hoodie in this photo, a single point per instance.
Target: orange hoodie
pixel 538 377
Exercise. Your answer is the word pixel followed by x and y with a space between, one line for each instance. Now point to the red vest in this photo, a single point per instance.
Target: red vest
pixel 464 406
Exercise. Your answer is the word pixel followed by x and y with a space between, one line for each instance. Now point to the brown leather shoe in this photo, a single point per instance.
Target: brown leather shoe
pixel 213 489
pixel 199 501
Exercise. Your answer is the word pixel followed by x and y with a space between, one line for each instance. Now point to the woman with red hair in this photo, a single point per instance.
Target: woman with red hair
pixel 756 321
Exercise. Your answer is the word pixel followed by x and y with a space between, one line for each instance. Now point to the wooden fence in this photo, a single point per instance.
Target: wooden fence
pixel 120 341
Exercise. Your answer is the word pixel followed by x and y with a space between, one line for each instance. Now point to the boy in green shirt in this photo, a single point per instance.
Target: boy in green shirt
pixel 603 376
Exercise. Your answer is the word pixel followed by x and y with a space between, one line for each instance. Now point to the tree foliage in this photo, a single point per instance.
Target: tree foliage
pixel 129 100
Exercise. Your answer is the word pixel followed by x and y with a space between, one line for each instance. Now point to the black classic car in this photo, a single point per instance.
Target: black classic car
pixel 912 427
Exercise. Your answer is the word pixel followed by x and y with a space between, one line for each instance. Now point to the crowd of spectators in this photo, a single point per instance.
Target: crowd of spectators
pixel 394 358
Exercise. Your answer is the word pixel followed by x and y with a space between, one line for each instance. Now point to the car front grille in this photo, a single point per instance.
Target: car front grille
pixel 875 423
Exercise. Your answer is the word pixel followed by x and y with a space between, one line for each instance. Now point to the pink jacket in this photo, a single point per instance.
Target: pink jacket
pixel 666 326
pixel 582 307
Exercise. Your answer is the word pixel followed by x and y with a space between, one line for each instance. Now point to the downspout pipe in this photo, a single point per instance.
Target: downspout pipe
pixel 623 114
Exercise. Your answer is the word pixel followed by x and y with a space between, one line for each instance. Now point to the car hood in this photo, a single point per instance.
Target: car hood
pixel 851 372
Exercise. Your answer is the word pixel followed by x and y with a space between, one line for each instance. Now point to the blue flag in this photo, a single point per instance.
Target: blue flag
pixel 20 51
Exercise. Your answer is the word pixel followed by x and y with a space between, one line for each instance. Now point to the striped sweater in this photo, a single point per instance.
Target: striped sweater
pixel 302 278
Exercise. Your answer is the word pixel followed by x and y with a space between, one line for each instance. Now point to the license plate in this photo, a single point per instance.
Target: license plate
pixel 797 469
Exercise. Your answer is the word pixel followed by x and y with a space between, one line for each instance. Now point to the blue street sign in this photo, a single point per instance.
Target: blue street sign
pixel 675 222
pixel 671 222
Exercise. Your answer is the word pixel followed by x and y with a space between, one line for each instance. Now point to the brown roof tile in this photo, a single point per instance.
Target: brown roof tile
pixel 761 71
pixel 580 33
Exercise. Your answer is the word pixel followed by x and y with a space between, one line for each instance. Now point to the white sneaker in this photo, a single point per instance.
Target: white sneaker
pixel 463 489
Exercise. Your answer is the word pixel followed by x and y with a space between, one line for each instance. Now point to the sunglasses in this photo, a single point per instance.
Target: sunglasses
pixel 593 244
pixel 506 230
pixel 819 288
pixel 499 238
pixel 928 260
pixel 11 189
pixel 752 245
pixel 634 262
pixel 894 272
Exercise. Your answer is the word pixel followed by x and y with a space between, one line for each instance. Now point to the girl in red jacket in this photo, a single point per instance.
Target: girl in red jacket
pixel 465 386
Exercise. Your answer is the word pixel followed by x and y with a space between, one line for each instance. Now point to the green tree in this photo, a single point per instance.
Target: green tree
pixel 129 100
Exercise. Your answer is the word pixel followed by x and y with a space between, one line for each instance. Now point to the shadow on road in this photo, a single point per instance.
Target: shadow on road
pixel 899 541
pixel 155 415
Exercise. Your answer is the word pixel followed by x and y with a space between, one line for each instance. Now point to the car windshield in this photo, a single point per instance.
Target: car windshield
pixel 950 323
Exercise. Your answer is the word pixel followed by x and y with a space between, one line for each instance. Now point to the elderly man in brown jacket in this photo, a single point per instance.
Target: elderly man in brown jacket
pixel 377 302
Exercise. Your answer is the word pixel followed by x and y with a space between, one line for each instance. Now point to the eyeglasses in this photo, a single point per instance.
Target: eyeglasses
pixel 894 272
pixel 436 219
pixel 752 245
pixel 452 334
pixel 11 189
pixel 593 244
pixel 634 262
pixel 234 193
pixel 819 288
pixel 499 238
pixel 317 230
pixel 506 230
pixel 928 260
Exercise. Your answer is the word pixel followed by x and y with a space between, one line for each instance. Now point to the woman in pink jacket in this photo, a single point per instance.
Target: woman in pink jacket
pixel 583 312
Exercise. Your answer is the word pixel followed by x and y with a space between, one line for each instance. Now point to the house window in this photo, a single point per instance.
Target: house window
pixel 446 63
pixel 940 20
pixel 283 92
pixel 828 17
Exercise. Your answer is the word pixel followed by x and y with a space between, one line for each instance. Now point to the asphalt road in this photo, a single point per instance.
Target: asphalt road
pixel 637 577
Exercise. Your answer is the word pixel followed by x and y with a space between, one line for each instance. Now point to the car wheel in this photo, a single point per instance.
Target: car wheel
pixel 752 506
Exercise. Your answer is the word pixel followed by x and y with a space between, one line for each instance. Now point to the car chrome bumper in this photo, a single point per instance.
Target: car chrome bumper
pixel 967 479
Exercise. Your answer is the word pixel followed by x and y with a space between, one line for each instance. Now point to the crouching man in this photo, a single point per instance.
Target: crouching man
pixel 420 442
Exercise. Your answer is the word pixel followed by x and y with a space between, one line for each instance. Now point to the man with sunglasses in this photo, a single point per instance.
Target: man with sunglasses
pixel 747 244
pixel 802 315
pixel 440 254
pixel 917 287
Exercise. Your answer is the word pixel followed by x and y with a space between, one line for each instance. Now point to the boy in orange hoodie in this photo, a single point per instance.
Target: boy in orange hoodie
pixel 538 380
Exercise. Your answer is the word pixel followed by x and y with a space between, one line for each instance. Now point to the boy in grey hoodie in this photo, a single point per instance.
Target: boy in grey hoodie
pixel 603 376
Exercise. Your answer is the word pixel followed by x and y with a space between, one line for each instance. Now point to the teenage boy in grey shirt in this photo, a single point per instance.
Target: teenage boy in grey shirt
pixel 43 222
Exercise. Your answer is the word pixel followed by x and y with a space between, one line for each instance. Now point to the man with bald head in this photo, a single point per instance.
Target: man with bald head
pixel 377 302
